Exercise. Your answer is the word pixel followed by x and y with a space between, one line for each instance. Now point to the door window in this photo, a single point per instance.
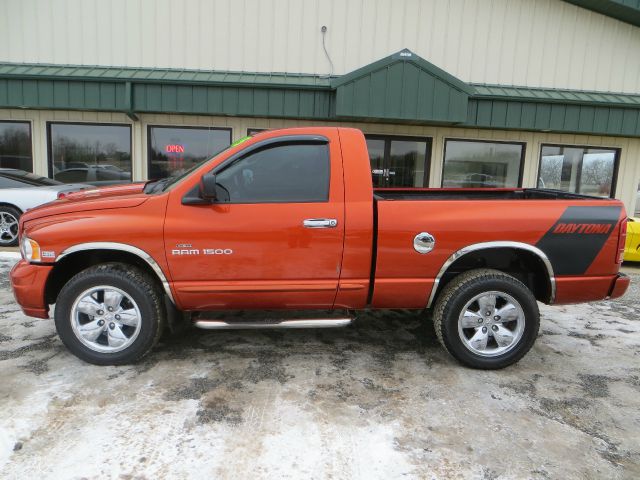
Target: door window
pixel 285 173
pixel 398 161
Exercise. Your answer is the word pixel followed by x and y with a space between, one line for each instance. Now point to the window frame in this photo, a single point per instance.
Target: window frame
pixel 251 131
pixel 404 138
pixel 193 127
pixel 274 142
pixel 96 124
pixel 614 174
pixel 30 125
pixel 472 140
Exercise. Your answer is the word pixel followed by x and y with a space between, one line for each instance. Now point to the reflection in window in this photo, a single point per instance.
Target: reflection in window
pixel 398 161
pixel 577 169
pixel 174 150
pixel 637 211
pixel 15 146
pixel 90 153
pixel 282 173
pixel 475 164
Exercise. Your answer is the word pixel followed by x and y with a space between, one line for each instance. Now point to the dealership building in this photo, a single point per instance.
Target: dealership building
pixel 449 93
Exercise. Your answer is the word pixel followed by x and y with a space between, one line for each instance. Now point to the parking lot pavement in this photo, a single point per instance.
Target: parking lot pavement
pixel 379 399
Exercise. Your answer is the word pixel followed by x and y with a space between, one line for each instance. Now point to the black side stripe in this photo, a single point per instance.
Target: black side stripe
pixel 575 240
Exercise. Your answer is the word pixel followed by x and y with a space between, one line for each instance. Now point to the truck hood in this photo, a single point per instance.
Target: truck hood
pixel 120 196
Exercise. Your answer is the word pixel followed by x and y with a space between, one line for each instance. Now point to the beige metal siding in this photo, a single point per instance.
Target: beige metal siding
pixel 547 43
pixel 628 173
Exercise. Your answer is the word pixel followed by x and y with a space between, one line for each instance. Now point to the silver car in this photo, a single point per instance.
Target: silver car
pixel 20 191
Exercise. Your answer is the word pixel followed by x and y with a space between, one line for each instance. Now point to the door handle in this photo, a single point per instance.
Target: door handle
pixel 320 223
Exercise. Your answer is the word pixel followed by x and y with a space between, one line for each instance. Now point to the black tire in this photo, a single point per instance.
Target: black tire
pixel 451 304
pixel 136 284
pixel 6 212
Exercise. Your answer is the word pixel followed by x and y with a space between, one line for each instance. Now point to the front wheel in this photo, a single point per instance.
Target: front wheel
pixel 109 314
pixel 486 319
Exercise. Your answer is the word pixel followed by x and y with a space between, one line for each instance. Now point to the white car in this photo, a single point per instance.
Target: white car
pixel 20 191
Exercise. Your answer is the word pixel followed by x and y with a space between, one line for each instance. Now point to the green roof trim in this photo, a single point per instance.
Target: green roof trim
pixel 627 11
pixel 402 57
pixel 401 88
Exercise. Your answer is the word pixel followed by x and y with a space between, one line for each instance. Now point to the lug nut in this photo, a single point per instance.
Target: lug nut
pixel 488 313
pixel 101 323
pixel 100 312
pixel 112 325
pixel 479 320
pixel 496 318
pixel 110 309
pixel 494 328
pixel 484 329
pixel 117 317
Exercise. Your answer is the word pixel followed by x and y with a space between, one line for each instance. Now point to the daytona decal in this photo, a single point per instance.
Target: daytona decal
pixel 575 240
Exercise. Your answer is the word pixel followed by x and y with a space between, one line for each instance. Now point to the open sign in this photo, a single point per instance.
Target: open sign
pixel 174 149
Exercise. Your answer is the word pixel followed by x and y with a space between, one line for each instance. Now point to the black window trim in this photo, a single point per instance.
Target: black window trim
pixel 616 162
pixel 388 138
pixel 304 139
pixel 193 127
pixel 97 124
pixel 30 125
pixel 473 140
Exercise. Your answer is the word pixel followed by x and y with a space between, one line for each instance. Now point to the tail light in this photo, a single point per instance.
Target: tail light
pixel 61 195
pixel 622 238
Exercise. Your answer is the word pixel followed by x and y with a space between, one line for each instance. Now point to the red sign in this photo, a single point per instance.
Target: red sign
pixel 174 149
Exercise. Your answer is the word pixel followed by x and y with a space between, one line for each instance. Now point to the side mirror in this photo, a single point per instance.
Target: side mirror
pixel 208 189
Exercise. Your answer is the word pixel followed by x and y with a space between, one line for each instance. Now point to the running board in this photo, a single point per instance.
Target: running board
pixel 300 323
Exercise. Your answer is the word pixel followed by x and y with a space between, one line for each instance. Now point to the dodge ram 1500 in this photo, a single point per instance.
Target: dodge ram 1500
pixel 287 221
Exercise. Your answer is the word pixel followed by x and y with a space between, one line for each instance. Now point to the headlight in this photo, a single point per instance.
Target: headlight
pixel 30 250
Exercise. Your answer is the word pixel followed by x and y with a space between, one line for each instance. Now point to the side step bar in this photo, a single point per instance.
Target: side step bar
pixel 300 323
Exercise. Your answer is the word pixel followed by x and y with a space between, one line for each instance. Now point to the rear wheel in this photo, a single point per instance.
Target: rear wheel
pixel 110 314
pixel 486 319
pixel 9 218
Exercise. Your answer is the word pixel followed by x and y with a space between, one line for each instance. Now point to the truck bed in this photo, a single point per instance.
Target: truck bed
pixel 478 194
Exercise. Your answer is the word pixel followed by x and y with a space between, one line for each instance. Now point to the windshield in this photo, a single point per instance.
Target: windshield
pixel 28 178
pixel 164 184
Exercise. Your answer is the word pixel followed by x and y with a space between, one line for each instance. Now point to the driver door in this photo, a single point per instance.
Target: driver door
pixel 275 242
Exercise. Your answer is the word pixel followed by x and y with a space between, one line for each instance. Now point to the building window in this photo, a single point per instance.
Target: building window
pixel 482 164
pixel 15 145
pixel 587 170
pixel 399 161
pixel 252 131
pixel 173 150
pixel 98 154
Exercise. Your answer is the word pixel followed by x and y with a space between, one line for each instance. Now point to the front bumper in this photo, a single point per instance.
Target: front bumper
pixel 619 286
pixel 28 282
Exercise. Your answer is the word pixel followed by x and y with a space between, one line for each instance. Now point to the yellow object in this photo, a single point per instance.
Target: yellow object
pixel 632 245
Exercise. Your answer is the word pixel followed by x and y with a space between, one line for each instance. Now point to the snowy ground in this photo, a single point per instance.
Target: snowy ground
pixel 379 399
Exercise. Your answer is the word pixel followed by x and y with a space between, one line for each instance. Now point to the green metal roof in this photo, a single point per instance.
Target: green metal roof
pixel 402 88
pixel 624 10
pixel 552 95
pixel 163 75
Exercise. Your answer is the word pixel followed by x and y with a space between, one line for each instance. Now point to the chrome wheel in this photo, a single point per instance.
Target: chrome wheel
pixel 8 228
pixel 491 323
pixel 105 319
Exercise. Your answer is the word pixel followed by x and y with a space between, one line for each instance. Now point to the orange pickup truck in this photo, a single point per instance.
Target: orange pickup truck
pixel 287 221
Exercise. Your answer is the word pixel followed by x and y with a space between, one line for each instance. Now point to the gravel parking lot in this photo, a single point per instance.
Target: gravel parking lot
pixel 379 399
